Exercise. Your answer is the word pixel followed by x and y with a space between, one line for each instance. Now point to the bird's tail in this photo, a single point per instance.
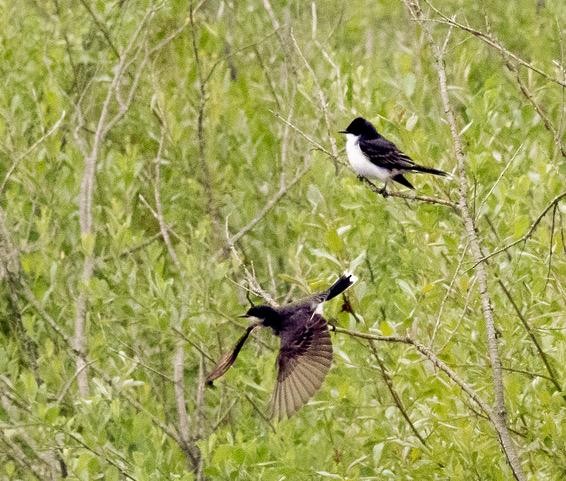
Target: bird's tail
pixel 346 280
pixel 428 170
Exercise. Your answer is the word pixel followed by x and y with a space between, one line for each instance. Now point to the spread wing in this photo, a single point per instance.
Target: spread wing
pixel 302 364
pixel 384 153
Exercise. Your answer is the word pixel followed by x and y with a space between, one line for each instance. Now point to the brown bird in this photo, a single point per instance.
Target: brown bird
pixel 305 352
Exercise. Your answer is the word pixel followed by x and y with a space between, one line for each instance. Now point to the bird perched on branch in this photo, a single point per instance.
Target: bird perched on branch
pixel 305 352
pixel 372 155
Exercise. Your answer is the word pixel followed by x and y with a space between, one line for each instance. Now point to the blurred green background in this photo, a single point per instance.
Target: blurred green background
pixel 214 97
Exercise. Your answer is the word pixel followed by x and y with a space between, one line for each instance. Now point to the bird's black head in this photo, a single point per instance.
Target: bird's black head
pixel 269 316
pixel 360 126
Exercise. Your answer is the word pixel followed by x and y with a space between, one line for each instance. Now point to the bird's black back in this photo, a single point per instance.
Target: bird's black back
pixel 385 153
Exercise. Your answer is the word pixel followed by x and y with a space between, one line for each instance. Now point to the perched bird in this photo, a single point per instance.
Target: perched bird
pixel 305 352
pixel 372 155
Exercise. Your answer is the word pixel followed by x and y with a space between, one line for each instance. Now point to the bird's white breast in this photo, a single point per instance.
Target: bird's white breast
pixel 361 164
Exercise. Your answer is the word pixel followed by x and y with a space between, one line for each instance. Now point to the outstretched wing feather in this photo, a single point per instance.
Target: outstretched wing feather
pixel 303 362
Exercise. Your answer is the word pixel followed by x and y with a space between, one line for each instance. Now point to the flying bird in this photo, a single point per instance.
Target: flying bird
pixel 372 155
pixel 305 352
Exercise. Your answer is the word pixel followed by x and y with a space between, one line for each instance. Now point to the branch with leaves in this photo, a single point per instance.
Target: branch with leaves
pixel 498 415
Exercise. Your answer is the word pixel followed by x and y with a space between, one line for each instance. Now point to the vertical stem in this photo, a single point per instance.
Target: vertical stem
pixel 500 418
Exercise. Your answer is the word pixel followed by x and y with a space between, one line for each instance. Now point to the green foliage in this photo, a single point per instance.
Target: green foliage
pixel 412 258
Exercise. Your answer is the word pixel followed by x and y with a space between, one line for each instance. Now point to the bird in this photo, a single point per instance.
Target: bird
pixel 372 155
pixel 305 352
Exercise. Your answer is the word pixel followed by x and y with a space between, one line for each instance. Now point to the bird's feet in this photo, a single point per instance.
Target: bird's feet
pixel 383 192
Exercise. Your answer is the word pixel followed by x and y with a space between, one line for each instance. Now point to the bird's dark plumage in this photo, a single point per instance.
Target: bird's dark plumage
pixel 372 155
pixel 304 359
pixel 305 353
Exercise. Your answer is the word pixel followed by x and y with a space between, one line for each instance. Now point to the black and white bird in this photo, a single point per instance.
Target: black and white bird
pixel 305 352
pixel 372 155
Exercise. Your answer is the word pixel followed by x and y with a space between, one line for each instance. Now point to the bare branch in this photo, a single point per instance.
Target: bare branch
pixel 501 174
pixel 206 175
pixel 543 355
pixel 492 42
pixel 163 228
pixel 251 279
pixel 101 27
pixel 402 195
pixel 193 455
pixel 448 292
pixel 427 353
pixel 528 234
pixel 131 250
pixel 498 417
pixel 33 146
pixel 322 100
pixel 398 402
pixel 540 111
pixel 282 192
pixel 86 194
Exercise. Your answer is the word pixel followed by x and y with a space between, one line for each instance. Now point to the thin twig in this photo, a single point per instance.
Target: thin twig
pixel 30 149
pixel 401 195
pixel 528 234
pixel 427 353
pixel 323 102
pixel 448 292
pixel 101 27
pixel 501 174
pixel 540 111
pixel 550 247
pixel 282 192
pixel 398 402
pixel 131 250
pixel 491 41
pixel 543 355
pixel 206 174
pixel 163 228
pixel 498 416
pixel 253 284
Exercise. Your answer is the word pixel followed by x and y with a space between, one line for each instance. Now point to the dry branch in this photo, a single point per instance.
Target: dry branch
pixel 543 355
pixel 186 439
pixel 206 175
pixel 270 204
pixel 491 41
pixel 396 398
pixel 431 356
pixel 32 147
pixel 539 109
pixel 498 416
pixel 86 195
pixel 528 234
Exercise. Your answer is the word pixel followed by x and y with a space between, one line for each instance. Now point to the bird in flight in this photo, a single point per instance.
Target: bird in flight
pixel 372 155
pixel 305 352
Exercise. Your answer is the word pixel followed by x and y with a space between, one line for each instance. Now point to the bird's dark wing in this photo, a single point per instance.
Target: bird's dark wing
pixel 384 153
pixel 302 364
pixel 229 358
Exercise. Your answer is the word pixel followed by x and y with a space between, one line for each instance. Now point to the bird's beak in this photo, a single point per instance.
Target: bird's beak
pixel 244 315
pixel 342 132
